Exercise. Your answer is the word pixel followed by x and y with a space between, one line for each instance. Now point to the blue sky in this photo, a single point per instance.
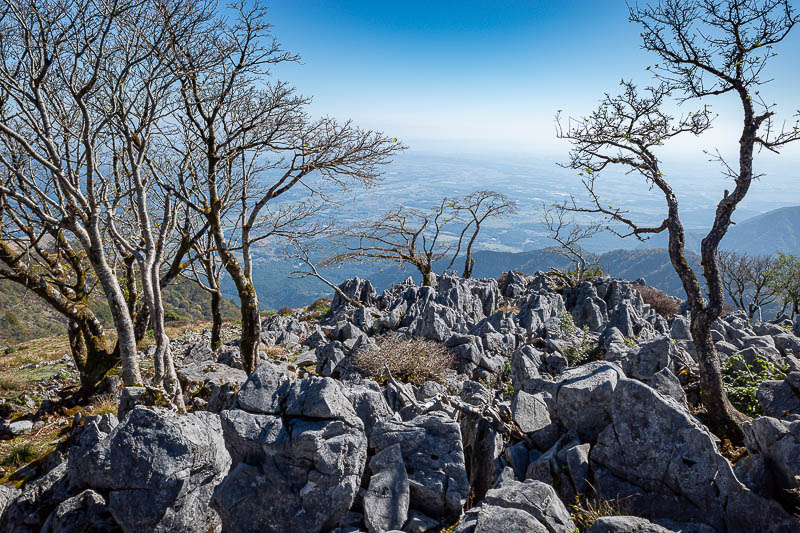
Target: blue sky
pixel 471 76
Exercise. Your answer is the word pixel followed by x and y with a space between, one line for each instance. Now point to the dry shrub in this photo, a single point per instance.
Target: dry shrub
pixel 410 360
pixel 661 303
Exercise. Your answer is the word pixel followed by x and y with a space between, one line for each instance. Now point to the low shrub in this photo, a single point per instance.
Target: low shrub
pixel 410 360
pixel 286 311
pixel 741 381
pixel 661 302
pixel 323 305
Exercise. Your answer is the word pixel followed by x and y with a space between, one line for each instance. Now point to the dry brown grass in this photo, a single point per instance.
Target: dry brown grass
pixel 587 509
pixel 273 352
pixel 410 360
pixel 661 303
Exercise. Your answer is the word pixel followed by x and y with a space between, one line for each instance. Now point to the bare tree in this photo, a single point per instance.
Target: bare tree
pixel 52 61
pixel 746 279
pixel 705 49
pixel 43 261
pixel 569 234
pixel 404 236
pixel 301 249
pixel 420 237
pixel 255 141
pixel 477 207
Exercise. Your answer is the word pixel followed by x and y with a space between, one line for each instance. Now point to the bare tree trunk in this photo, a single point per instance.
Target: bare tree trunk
pixel 92 359
pixel 216 320
pixel 170 377
pixel 126 338
pixel 469 262
pixel 251 326
pixel 723 418
pixel 250 313
pixel 425 270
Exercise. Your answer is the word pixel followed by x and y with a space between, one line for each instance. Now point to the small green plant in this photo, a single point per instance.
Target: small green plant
pixel 629 341
pixel 322 305
pixel 566 324
pixel 742 380
pixel 578 353
pixel 268 312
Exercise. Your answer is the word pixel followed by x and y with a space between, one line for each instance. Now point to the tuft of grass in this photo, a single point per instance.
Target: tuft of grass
pixel 273 352
pixel 587 509
pixel 103 405
pixel 20 455
pixel 10 384
pixel 410 360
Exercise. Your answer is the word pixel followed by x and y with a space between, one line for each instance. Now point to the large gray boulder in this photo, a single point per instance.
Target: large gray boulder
pixel 515 506
pixel 301 443
pixel 538 309
pixel 780 399
pixel 368 402
pixel 213 383
pixel 434 459
pixel 85 513
pixel 387 497
pixel 582 398
pixel 159 470
pixel 666 465
pixel 777 444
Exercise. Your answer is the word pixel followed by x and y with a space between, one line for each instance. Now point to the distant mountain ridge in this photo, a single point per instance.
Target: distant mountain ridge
pixel 767 233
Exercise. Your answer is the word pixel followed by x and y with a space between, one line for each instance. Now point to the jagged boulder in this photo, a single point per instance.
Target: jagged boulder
pixel 387 498
pixel 167 484
pixel 434 459
pixel 356 289
pixel 780 399
pixel 514 507
pixel 581 399
pixel 26 510
pixel 213 383
pixel 666 465
pixel 299 441
pixel 538 310
pixel 86 512
pixel 777 444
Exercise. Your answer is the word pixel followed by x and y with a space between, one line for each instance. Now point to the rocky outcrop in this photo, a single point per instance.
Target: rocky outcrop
pixel 555 396
pixel 300 441
pixel 168 483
